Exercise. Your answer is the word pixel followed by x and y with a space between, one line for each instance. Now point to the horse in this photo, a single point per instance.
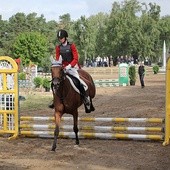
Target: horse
pixel 66 99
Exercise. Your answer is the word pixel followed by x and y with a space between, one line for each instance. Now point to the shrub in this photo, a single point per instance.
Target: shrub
pixel 132 74
pixel 22 76
pixel 37 82
pixel 155 69
pixel 46 83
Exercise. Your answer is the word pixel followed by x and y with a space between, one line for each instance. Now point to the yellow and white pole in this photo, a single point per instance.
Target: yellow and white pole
pixel 167 105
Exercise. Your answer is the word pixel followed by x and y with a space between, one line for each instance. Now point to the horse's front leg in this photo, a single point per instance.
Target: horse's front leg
pixel 75 127
pixel 57 116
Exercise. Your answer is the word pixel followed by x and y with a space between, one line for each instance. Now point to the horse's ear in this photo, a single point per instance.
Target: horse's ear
pixel 55 62
pixel 52 59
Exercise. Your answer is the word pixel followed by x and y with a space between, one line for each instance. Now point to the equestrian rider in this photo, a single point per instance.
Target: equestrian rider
pixel 69 54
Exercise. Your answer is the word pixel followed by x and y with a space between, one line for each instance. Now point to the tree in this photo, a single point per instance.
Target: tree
pixel 65 21
pixel 122 28
pixel 148 40
pixel 164 27
pixel 131 28
pixel 3 37
pixel 30 47
pixel 99 25
pixel 80 37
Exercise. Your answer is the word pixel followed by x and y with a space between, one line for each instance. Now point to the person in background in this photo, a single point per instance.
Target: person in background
pixel 69 54
pixel 141 72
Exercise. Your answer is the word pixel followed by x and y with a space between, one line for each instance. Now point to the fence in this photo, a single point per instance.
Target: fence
pixel 8 96
pixel 95 128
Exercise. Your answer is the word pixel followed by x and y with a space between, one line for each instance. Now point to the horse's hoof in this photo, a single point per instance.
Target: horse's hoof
pixel 53 149
pixel 77 143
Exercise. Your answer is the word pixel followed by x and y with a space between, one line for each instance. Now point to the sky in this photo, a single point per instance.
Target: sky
pixel 52 9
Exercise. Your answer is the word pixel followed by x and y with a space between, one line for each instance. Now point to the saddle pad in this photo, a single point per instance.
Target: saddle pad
pixel 73 85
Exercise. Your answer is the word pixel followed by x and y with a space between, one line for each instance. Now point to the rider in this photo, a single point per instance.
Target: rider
pixel 69 54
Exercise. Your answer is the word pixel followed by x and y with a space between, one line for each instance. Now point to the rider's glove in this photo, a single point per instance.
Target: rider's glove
pixel 68 67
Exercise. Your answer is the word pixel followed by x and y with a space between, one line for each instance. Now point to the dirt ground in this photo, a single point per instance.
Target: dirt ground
pixel 95 154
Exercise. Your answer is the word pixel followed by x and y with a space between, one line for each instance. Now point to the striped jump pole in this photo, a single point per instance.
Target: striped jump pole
pixel 87 119
pixel 93 128
pixel 83 135
pixel 106 83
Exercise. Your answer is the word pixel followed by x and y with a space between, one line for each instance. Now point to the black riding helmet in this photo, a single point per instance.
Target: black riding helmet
pixel 62 34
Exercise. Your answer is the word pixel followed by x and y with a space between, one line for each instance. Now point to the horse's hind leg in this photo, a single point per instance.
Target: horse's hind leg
pixel 75 127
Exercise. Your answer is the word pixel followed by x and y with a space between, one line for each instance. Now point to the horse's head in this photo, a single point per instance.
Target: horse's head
pixel 58 76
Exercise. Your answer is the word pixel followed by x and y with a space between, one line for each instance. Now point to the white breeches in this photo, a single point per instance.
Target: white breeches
pixel 73 71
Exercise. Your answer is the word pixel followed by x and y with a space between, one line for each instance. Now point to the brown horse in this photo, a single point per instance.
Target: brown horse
pixel 66 99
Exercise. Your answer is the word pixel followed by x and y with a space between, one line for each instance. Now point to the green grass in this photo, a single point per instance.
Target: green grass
pixel 35 101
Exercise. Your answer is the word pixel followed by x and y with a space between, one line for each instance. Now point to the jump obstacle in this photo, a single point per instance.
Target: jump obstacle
pixel 30 129
pixel 11 123
pixel 106 83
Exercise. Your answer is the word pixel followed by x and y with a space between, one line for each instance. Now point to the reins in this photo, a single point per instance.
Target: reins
pixel 58 85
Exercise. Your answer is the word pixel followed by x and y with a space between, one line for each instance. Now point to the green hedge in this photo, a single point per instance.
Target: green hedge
pixel 38 82
pixel 155 69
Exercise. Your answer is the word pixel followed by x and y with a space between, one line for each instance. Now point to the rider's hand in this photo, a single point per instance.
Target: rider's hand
pixel 68 67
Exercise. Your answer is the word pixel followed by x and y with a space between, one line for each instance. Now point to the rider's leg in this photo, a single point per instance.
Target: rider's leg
pixel 85 97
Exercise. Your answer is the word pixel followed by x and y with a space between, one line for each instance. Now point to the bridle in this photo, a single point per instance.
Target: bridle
pixel 57 82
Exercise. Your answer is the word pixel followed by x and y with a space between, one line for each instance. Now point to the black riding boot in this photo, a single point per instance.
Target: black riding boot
pixel 86 98
pixel 51 106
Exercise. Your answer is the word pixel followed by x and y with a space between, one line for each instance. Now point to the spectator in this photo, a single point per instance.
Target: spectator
pixel 141 72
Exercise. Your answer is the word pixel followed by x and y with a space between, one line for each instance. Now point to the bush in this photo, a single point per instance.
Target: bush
pixel 155 69
pixel 132 74
pixel 22 76
pixel 37 82
pixel 46 84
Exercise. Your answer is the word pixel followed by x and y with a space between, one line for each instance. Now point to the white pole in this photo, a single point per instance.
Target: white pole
pixel 164 56
pixel 36 70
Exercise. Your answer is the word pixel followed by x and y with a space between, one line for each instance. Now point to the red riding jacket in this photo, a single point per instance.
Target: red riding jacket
pixel 74 59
